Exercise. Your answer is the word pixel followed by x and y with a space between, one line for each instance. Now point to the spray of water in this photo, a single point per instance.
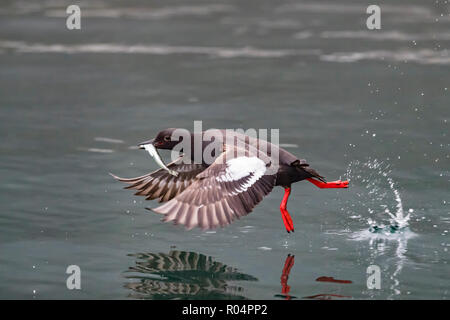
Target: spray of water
pixel 380 209
pixel 378 201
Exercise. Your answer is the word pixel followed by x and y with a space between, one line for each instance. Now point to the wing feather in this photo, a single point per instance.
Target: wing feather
pixel 227 190
pixel 162 185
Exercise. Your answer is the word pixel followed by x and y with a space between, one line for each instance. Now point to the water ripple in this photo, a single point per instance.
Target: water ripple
pixel 422 56
pixel 221 52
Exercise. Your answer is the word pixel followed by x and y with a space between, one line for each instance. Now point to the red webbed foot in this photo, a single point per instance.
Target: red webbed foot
pixel 289 225
pixel 329 185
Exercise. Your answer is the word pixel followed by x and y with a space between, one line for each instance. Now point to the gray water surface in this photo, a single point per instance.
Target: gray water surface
pixel 368 106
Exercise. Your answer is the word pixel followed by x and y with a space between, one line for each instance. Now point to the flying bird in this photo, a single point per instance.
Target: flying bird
pixel 208 194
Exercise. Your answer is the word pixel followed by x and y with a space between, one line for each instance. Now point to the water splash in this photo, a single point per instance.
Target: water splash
pixel 399 218
pixel 378 201
pixel 380 209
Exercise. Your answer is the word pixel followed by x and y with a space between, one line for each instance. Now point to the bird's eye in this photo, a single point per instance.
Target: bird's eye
pixel 167 138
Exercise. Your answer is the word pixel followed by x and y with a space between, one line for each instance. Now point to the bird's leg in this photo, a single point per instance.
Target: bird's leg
pixel 284 213
pixel 331 184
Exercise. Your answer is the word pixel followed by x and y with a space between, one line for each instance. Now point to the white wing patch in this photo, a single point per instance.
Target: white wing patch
pixel 238 168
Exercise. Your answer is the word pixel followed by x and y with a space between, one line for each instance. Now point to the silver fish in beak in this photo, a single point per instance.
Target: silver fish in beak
pixel 155 155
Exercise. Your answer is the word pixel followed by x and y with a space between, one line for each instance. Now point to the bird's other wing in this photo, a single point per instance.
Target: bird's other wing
pixel 227 190
pixel 162 185
pixel 301 164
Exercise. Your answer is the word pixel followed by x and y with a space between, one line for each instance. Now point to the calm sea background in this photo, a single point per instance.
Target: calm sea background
pixel 369 106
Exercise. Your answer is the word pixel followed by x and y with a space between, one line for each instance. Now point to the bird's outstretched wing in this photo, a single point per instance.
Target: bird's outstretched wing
pixel 228 189
pixel 161 184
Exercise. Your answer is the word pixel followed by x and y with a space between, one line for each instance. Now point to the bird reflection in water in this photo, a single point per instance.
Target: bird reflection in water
pixel 329 296
pixel 285 288
pixel 333 280
pixel 183 275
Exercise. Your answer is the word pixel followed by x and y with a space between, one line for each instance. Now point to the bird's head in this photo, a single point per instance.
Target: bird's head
pixel 165 139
